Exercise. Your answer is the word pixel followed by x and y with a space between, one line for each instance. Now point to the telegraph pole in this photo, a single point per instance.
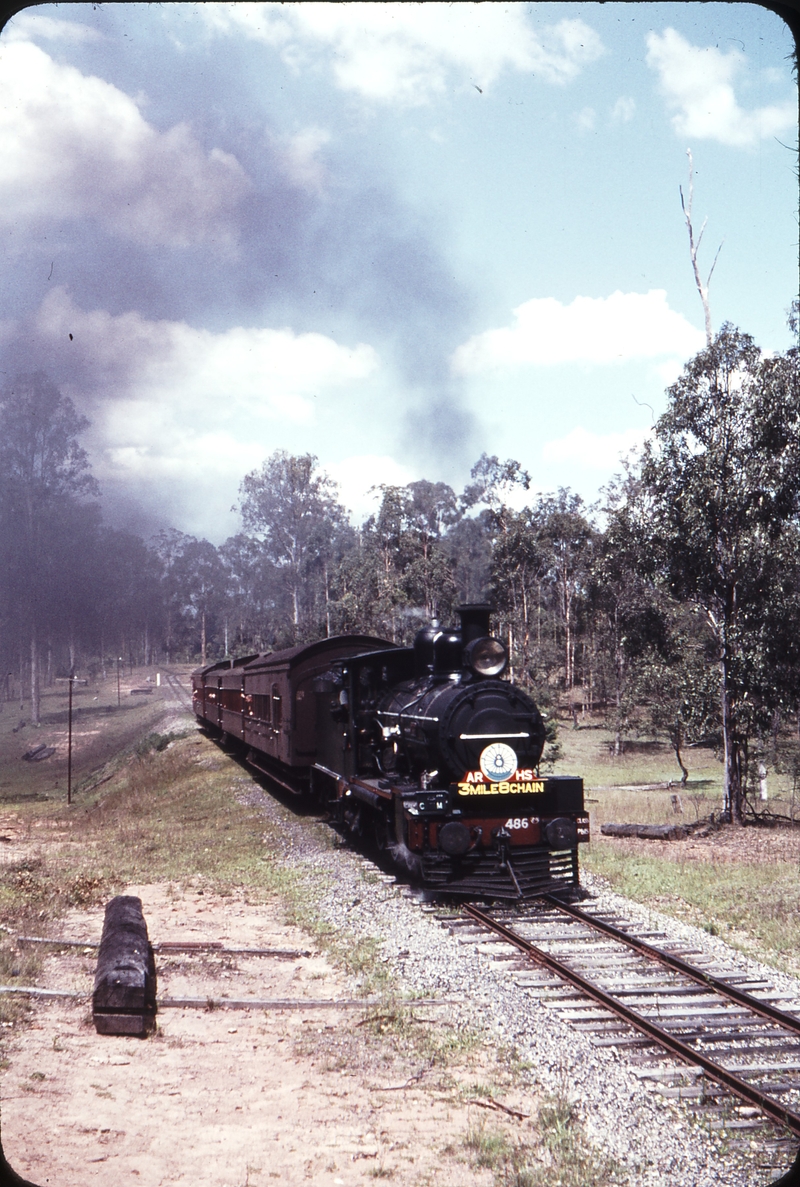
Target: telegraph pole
pixel 69 737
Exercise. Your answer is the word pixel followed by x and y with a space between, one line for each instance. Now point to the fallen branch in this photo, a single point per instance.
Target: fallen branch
pixel 650 832
pixel 491 1103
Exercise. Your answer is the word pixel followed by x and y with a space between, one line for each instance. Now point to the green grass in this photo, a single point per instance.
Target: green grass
pixel 752 904
pixel 169 813
pixel 102 729
pixel 755 907
pixel 550 1151
pixel 588 751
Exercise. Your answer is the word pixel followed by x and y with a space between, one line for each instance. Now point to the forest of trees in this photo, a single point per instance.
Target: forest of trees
pixel 671 607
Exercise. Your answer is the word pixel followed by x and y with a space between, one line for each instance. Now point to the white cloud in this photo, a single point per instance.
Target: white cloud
pixel 697 83
pixel 27 26
pixel 74 146
pixel 219 455
pixel 623 110
pixel 300 161
pixel 586 119
pixel 408 53
pixel 669 371
pixel 358 475
pixel 186 397
pixel 593 451
pixel 591 330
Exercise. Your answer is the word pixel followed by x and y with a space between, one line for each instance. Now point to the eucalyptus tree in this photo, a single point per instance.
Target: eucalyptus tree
pixel 468 547
pixel 43 470
pixel 199 578
pixel 128 597
pixel 519 570
pixel 294 513
pixel 675 683
pixel 719 493
pixel 539 579
pixel 401 574
pixel 568 536
pixel 626 614
pixel 250 607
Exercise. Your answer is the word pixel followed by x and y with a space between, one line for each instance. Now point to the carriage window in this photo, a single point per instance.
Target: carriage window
pixel 276 707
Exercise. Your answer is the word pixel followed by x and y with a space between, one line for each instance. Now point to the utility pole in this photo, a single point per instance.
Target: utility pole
pixel 69 737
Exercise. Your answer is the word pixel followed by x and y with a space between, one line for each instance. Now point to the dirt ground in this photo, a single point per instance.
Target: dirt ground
pixel 731 843
pixel 224 1097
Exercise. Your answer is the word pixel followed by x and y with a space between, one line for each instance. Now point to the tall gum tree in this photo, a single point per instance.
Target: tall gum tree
pixel 719 492
pixel 294 512
pixel 42 469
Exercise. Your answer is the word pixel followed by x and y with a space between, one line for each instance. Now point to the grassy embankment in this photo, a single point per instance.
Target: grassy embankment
pixel 147 807
pixel 742 884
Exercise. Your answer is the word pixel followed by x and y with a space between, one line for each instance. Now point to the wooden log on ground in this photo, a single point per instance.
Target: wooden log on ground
pixel 649 832
pixel 8 1176
pixel 124 999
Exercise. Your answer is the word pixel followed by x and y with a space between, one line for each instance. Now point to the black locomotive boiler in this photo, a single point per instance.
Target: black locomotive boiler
pixel 425 748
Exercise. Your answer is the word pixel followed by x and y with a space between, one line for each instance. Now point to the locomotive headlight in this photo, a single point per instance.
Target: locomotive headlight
pixel 486 657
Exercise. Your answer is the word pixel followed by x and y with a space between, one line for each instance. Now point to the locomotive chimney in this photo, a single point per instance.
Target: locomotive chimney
pixel 474 621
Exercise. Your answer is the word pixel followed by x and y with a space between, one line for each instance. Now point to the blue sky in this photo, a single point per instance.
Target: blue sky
pixel 394 236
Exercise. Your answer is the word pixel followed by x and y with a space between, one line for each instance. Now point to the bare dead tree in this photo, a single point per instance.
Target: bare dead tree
pixel 702 289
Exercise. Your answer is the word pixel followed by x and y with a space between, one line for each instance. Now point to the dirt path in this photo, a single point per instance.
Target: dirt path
pixel 226 1098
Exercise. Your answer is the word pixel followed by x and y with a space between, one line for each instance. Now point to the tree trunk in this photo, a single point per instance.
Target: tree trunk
pixel 732 777
pixel 676 746
pixel 619 664
pixel 567 636
pixel 203 637
pixel 526 634
pixel 35 688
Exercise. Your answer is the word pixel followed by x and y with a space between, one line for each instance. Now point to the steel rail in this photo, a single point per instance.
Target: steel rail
pixel 176 686
pixel 733 1083
pixel 788 1021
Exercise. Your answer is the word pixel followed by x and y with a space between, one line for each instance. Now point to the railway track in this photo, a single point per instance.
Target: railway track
pixel 175 685
pixel 703 1032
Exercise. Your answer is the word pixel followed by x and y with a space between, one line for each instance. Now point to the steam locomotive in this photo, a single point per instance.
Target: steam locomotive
pixel 426 749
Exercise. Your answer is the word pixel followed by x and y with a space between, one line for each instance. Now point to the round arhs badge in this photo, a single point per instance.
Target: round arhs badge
pixel 498 761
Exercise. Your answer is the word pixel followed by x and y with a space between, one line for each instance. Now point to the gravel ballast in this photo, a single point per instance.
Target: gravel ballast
pixel 655 1140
